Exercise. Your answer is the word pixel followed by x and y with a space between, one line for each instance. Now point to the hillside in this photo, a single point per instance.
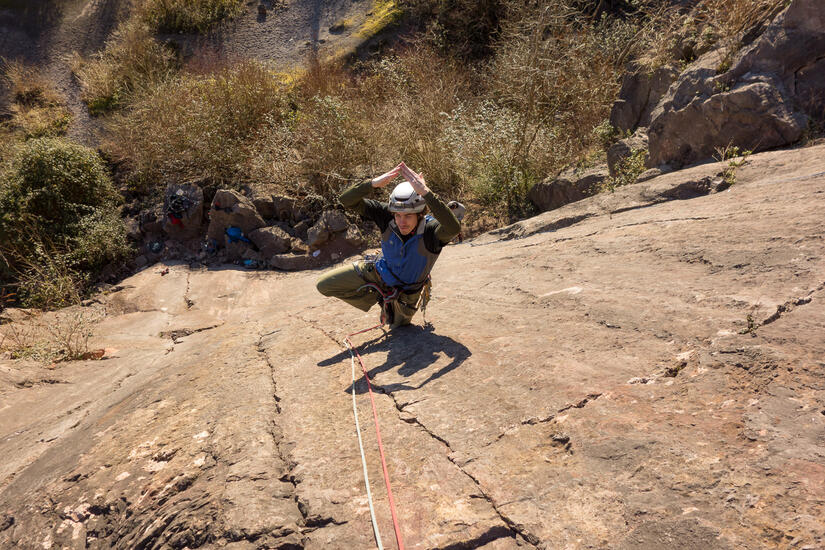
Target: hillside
pixel 638 370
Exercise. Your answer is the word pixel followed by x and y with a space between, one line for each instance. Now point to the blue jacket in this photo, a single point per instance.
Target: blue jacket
pixel 405 264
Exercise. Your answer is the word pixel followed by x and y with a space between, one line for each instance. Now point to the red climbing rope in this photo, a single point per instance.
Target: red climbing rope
pixel 395 524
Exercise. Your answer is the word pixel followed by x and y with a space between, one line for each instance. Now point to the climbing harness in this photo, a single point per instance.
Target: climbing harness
pixel 353 354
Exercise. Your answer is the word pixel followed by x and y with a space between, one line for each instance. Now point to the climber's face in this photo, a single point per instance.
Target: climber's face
pixel 406 222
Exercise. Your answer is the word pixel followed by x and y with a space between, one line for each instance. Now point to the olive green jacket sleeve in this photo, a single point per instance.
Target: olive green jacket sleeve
pixel 353 196
pixel 448 224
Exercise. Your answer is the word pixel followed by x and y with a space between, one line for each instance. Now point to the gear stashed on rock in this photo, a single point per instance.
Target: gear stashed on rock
pixel 231 209
pixel 758 98
pixel 183 211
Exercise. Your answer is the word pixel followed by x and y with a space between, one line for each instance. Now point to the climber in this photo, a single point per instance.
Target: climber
pixel 410 245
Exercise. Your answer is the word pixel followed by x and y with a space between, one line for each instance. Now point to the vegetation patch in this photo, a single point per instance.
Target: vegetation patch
pixel 627 171
pixel 188 15
pixel 51 337
pixel 198 127
pixel 37 109
pixel 59 222
pixel 132 61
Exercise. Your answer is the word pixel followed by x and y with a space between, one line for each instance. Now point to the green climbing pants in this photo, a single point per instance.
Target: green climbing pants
pixel 344 283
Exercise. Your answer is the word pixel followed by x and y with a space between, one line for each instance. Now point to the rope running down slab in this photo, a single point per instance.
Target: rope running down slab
pixel 353 354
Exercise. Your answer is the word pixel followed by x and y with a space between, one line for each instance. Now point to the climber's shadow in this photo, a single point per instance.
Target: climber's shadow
pixel 411 349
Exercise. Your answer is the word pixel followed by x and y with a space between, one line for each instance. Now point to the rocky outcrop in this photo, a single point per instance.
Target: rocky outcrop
pixel 569 186
pixel 756 99
pixel 640 93
pixel 325 229
pixel 272 240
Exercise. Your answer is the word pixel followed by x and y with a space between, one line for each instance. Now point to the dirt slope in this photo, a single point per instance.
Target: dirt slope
pixel 591 380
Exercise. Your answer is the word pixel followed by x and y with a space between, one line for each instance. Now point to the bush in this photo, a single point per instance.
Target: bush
pixel 59 220
pixel 198 127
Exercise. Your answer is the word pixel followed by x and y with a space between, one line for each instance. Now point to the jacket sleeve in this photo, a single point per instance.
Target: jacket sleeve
pixel 354 198
pixel 448 225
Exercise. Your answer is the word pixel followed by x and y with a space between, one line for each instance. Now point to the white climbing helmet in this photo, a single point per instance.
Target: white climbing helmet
pixel 404 199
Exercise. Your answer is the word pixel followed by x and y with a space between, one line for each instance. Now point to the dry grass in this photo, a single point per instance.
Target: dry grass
pixel 50 337
pixel 674 36
pixel 132 61
pixel 38 109
pixel 483 131
pixel 187 15
pixel 383 14
pixel 198 126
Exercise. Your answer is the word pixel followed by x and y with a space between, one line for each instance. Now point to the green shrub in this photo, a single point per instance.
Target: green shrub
pixel 58 220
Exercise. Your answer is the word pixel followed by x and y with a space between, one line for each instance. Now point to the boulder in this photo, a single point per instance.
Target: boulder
pixel 133 232
pixel 286 208
pixel 302 229
pixel 569 186
pixel 335 220
pixel 271 240
pixel 639 95
pixel 353 236
pixel 759 98
pixel 149 224
pixel 265 207
pixel 298 246
pixel 236 250
pixel 625 148
pixel 183 211
pixel 330 223
pixel 230 208
pixel 317 235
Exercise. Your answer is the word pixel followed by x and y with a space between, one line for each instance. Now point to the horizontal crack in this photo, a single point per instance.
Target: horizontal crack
pixel 177 334
pixel 781 310
pixel 533 420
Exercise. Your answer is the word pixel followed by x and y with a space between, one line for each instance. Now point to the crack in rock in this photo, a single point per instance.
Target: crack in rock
pixel 494 533
pixel 178 334
pixel 533 420
pixel 189 303
pixel 310 522
pixel 29 383
pixel 781 310
pixel 789 306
